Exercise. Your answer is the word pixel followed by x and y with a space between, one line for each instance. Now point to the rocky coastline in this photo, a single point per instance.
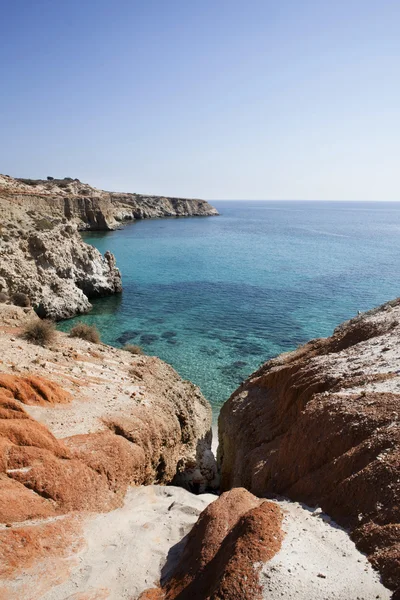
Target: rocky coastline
pixel 99 210
pixel 42 254
pixel 108 485
pixel 94 442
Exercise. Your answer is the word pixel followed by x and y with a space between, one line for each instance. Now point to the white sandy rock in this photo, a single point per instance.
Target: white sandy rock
pixel 318 561
pixel 125 550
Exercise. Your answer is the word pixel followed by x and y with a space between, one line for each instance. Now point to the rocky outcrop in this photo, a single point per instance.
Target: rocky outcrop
pixel 246 548
pixel 56 270
pixel 321 425
pixel 41 252
pixel 81 425
pixel 97 556
pixel 225 550
pixel 135 404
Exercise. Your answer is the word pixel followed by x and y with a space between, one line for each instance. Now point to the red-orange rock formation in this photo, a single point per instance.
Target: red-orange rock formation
pixel 40 475
pixel 225 550
pixel 21 547
pixel 53 482
pixel 33 390
pixel 43 476
pixel 321 425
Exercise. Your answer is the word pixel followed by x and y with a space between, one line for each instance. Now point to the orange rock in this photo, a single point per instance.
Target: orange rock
pixel 33 390
pixel 225 551
pixel 21 547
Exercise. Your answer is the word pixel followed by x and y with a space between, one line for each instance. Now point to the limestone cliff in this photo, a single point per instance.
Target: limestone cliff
pixel 41 252
pixel 321 425
pixel 96 209
pixel 56 270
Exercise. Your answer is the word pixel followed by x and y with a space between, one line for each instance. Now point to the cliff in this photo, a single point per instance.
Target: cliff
pixel 96 209
pixel 41 252
pixel 320 425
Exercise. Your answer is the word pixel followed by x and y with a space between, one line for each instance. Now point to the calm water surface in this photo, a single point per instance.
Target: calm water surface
pixel 217 296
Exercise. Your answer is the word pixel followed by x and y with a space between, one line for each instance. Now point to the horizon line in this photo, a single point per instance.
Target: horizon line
pixel 291 200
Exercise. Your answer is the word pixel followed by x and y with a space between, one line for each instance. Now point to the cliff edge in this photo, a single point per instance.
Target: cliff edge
pixel 96 209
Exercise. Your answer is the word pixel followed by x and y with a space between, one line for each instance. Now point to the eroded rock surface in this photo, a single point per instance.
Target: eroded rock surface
pixel 57 271
pixel 92 208
pixel 321 425
pixel 246 548
pixel 105 556
pixel 225 550
pixel 80 424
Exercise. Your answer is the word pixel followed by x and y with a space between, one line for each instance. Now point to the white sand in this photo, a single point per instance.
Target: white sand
pixel 318 561
pixel 127 548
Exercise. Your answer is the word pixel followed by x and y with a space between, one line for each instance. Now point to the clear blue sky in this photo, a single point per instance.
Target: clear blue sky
pixel 214 99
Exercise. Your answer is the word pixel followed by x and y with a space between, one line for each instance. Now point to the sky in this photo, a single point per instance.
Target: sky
pixel 282 99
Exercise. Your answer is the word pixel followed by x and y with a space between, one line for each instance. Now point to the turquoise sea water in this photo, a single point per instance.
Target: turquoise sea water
pixel 217 296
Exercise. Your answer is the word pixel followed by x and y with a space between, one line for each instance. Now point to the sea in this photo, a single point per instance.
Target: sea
pixel 218 296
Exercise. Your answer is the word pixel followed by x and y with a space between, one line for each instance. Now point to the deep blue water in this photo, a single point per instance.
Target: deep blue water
pixel 217 296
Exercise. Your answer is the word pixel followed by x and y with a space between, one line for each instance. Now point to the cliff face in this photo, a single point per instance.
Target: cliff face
pixel 321 425
pixel 56 270
pixel 96 209
pixel 41 252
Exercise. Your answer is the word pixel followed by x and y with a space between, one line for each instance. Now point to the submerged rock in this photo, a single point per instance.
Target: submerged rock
pixel 246 347
pixel 168 335
pixel 148 338
pixel 127 336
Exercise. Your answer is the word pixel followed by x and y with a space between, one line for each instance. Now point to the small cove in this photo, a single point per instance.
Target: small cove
pixel 217 296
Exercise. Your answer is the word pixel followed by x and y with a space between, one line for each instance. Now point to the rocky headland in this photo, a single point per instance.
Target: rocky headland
pixel 42 254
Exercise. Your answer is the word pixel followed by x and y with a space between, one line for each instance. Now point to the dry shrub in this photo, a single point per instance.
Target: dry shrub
pixel 133 349
pixel 90 333
pixel 42 333
pixel 44 225
pixel 20 299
